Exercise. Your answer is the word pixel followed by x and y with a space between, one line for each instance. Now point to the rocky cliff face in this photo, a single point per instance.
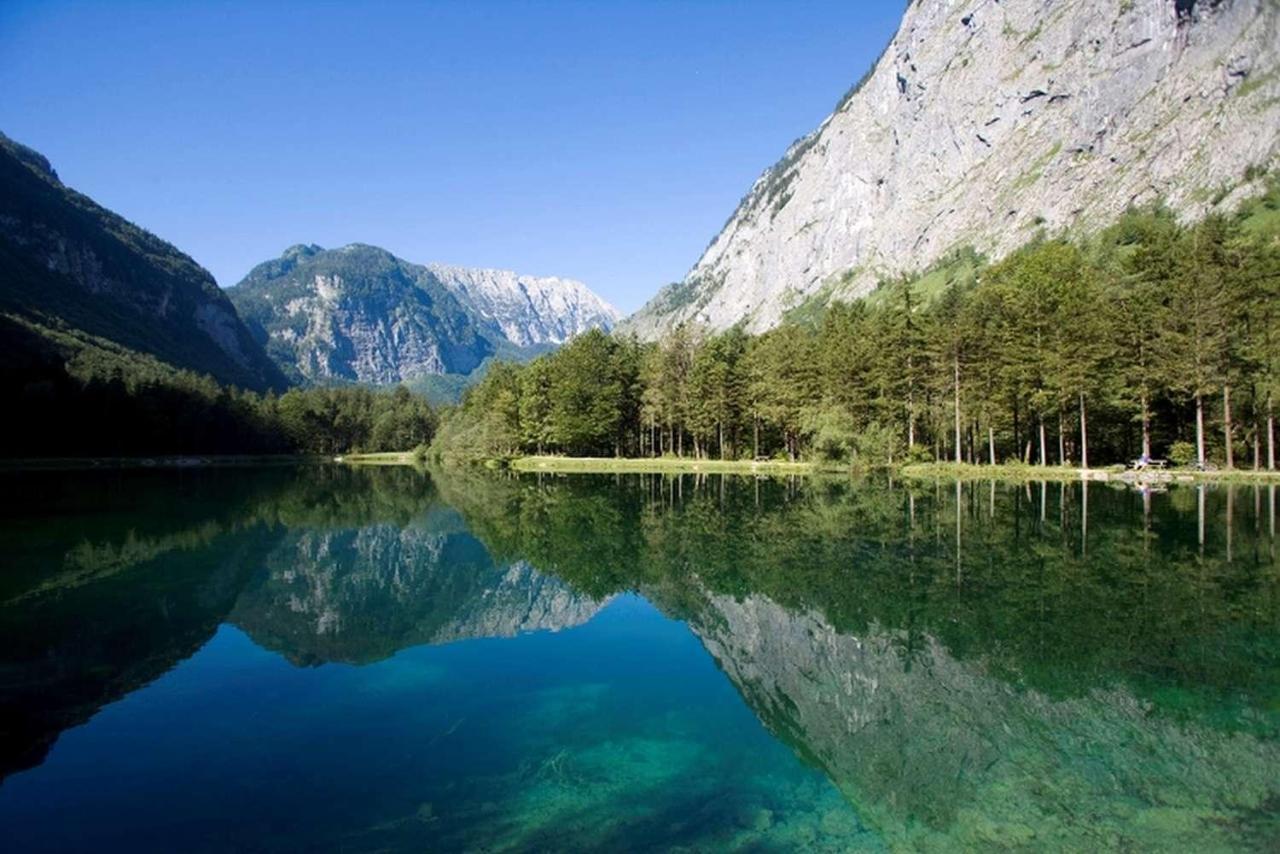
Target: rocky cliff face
pixel 361 314
pixel 67 263
pixel 939 754
pixel 528 310
pixel 357 313
pixel 984 122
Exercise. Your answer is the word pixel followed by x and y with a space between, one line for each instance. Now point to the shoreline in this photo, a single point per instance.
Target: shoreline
pixel 609 465
pixel 175 461
pixel 1016 473
pixel 915 471
pixel 379 458
pixel 1112 474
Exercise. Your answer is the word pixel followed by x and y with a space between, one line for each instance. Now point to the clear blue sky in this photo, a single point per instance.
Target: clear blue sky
pixel 604 141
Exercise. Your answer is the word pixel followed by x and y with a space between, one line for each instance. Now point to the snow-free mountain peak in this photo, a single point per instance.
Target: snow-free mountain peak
pixel 358 313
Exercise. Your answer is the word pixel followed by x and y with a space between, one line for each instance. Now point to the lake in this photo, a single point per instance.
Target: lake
pixel 371 659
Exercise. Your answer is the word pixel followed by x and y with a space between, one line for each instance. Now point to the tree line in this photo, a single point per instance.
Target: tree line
pixel 78 398
pixel 1152 337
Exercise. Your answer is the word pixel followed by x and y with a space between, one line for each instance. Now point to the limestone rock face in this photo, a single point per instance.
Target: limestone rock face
pixel 984 122
pixel 359 313
pixel 529 310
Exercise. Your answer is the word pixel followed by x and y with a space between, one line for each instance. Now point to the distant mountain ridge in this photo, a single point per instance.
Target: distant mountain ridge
pixel 359 313
pixel 984 123
pixel 70 266
pixel 530 310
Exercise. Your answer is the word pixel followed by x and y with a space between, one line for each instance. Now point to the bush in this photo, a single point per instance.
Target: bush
pixel 1182 453
pixel 834 438
pixel 876 446
pixel 919 454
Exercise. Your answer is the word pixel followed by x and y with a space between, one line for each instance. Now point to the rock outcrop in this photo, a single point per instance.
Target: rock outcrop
pixel 529 310
pixel 357 313
pixel 985 122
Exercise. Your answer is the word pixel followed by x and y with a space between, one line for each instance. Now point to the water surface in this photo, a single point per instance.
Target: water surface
pixel 322 658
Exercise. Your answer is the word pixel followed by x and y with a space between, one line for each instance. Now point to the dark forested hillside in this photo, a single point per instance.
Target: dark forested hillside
pixel 72 395
pixel 114 343
pixel 69 267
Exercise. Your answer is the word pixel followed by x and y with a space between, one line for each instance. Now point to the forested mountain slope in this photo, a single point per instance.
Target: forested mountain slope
pixel 984 123
pixel 82 277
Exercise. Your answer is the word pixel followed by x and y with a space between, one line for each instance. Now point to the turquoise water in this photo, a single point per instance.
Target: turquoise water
pixel 321 658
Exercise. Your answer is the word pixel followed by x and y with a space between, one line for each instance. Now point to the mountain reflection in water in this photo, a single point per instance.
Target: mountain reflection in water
pixel 968 664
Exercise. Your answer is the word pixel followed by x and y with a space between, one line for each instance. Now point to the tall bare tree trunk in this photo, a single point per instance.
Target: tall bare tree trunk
pixel 1271 437
pixel 1084 435
pixel 911 407
pixel 1146 426
pixel 1062 439
pixel 720 430
pixel 1199 430
pixel 991 444
pixel 1226 423
pixel 955 364
pixel 1044 451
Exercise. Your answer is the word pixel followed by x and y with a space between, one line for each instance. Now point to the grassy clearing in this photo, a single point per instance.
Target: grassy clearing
pixel 385 458
pixel 608 465
pixel 964 471
pixel 922 471
pixel 1019 473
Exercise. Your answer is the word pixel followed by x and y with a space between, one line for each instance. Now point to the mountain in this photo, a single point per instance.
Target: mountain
pixel 357 313
pixel 984 123
pixel 529 310
pixel 79 275
pixel 361 314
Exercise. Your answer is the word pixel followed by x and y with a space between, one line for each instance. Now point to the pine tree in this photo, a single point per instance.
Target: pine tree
pixel 1193 342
